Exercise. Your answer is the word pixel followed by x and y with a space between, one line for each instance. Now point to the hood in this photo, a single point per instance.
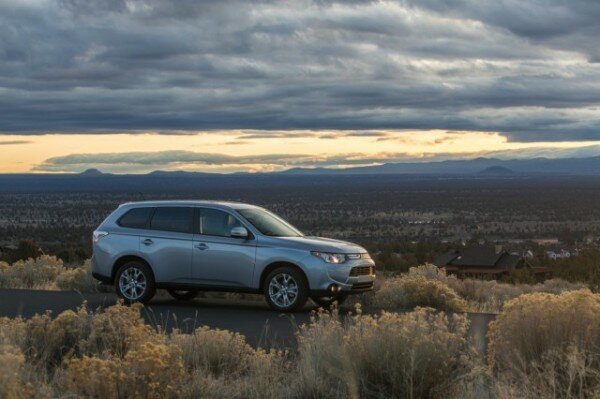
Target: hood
pixel 321 244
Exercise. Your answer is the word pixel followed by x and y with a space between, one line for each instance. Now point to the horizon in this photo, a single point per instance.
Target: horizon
pixel 334 170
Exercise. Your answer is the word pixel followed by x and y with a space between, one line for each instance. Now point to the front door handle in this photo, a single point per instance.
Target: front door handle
pixel 202 246
pixel 147 242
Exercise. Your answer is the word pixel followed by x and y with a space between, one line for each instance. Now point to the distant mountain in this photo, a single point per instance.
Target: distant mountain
pixel 91 172
pixel 497 171
pixel 553 166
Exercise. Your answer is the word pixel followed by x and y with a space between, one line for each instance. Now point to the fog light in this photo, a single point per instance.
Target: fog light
pixel 333 288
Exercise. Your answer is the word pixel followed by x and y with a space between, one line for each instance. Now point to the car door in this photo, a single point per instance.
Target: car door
pixel 167 243
pixel 219 259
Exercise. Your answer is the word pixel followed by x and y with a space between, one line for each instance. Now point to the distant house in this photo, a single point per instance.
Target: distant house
pixel 481 260
pixel 562 254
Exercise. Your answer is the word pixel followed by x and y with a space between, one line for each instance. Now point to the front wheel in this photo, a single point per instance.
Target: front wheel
pixel 135 282
pixel 326 301
pixel 182 295
pixel 286 289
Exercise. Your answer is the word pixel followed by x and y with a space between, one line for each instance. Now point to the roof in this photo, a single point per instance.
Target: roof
pixel 478 256
pixel 215 204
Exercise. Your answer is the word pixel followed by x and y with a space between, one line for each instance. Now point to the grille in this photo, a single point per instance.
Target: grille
pixel 361 271
pixel 362 286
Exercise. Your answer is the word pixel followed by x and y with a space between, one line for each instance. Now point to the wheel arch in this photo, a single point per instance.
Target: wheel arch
pixel 126 259
pixel 274 265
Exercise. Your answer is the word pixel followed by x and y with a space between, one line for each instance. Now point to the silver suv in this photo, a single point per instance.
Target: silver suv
pixel 191 246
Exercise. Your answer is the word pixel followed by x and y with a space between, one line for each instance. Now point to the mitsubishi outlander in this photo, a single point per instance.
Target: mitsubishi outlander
pixel 192 246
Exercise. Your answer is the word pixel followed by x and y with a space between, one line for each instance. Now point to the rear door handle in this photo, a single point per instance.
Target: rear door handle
pixel 202 246
pixel 147 241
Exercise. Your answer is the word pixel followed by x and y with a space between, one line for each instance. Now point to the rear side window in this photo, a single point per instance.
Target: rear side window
pixel 177 219
pixel 136 218
pixel 214 222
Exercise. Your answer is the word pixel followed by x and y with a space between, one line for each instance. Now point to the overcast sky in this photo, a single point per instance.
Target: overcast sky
pixel 524 71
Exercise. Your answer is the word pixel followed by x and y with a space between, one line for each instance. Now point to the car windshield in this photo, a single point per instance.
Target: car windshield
pixel 268 223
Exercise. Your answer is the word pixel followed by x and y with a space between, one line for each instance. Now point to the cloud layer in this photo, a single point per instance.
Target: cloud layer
pixel 142 162
pixel 529 69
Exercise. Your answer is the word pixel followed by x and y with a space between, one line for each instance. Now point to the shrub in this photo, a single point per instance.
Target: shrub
pixel 488 295
pixel 560 374
pixel 215 351
pixel 117 330
pixel 153 370
pixel 410 291
pixel 77 279
pixel 46 272
pixel 49 340
pixel 94 377
pixel 11 364
pixel 552 340
pixel 584 267
pixel 31 273
pixel 418 354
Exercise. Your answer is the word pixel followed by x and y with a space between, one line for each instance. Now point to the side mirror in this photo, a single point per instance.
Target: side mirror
pixel 239 232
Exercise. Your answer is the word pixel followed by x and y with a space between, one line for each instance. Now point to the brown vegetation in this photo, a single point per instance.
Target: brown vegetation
pixel 545 345
pixel 542 345
pixel 46 272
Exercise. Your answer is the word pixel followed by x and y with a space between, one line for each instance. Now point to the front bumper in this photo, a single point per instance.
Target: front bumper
pixel 350 277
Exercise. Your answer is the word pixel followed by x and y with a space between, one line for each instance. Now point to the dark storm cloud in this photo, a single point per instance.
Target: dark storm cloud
pixel 524 68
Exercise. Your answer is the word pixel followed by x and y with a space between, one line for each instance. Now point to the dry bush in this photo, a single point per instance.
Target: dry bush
pixel 420 354
pixel 561 374
pixel 11 364
pixel 215 351
pixel 94 377
pixel 77 279
pixel 549 343
pixel 481 295
pixel 153 370
pixel 46 272
pixel 490 295
pixel 119 329
pixel 31 273
pixel 410 291
pixel 48 341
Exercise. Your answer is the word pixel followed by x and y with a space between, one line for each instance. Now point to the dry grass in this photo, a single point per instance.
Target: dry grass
pixel 429 285
pixel 542 345
pixel 46 272
pixel 426 286
pixel 549 345
pixel 410 291
pixel 421 354
pixel 113 354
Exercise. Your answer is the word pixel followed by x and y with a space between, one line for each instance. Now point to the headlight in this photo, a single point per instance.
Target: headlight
pixel 329 257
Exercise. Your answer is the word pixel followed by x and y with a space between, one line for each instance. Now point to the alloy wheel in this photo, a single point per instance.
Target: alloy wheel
pixel 283 290
pixel 132 283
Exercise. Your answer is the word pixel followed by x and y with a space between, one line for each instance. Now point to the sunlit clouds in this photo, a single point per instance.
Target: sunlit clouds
pixel 263 151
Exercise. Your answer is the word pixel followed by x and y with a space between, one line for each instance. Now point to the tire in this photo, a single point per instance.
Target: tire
pixel 183 295
pixel 325 302
pixel 141 274
pixel 293 282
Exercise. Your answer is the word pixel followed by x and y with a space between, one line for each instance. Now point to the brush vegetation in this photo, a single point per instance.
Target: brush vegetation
pixel 541 345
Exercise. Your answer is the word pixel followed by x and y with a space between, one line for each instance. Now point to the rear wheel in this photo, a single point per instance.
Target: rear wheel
pixel 183 295
pixel 326 301
pixel 286 289
pixel 135 282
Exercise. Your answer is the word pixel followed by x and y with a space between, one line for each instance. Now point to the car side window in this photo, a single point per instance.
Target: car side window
pixel 136 218
pixel 214 222
pixel 176 219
